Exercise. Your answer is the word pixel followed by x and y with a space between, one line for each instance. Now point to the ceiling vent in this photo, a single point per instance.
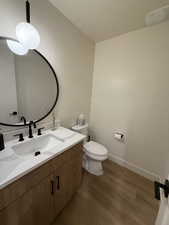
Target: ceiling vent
pixel 157 16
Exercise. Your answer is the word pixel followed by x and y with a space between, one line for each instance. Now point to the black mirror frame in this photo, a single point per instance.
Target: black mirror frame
pixel 57 85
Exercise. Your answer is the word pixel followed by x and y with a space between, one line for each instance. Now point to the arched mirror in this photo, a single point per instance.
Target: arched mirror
pixel 29 86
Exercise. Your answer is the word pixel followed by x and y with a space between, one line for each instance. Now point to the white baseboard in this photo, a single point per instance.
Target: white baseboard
pixel 143 172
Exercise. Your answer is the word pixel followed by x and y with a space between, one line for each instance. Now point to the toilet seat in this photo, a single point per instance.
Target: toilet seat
pixel 95 150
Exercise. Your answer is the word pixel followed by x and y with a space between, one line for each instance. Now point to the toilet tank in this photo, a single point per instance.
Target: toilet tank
pixel 81 129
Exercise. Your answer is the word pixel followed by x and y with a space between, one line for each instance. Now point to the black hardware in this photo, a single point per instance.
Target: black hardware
pixel 23 119
pixel 57 88
pixel 20 136
pixel 37 153
pixel 30 130
pixel 31 123
pixel 165 187
pixel 34 124
pixel 28 12
pixel 58 182
pixel 2 145
pixel 52 187
pixel 13 113
pixel 88 138
pixel 40 131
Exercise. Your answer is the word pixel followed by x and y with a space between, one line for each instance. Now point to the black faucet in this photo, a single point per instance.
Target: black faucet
pixel 2 145
pixel 31 123
pixel 23 119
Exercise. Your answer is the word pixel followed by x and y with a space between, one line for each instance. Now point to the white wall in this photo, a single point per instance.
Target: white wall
pixel 68 50
pixel 130 93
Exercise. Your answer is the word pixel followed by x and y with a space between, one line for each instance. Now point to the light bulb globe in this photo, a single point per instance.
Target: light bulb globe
pixel 16 47
pixel 27 35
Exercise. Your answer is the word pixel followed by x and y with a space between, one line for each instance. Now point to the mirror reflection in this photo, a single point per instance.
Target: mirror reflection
pixel 27 86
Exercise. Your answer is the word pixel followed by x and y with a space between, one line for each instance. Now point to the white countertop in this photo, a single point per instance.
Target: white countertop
pixel 13 166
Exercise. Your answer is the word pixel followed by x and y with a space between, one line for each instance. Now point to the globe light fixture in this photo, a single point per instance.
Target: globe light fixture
pixel 26 33
pixel 16 47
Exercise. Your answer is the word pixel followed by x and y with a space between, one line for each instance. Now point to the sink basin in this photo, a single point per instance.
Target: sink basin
pixel 39 145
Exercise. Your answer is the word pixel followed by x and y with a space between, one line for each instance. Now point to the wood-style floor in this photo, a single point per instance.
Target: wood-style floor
pixel 119 197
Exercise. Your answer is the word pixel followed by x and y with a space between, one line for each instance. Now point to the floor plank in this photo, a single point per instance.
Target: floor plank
pixel 119 197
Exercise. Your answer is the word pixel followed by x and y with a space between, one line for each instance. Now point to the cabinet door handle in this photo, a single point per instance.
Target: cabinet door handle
pixel 58 182
pixel 52 187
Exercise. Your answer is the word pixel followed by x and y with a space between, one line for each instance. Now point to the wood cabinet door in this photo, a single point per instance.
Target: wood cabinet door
pixel 75 175
pixel 19 212
pixel 35 207
pixel 43 203
pixel 67 180
pixel 60 188
pixel 77 171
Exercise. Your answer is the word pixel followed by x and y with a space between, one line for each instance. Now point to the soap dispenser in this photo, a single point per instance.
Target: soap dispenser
pixel 2 146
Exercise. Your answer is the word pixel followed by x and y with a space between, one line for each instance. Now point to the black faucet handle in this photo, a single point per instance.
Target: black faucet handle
pixel 40 131
pixel 20 137
pixel 32 123
pixel 2 144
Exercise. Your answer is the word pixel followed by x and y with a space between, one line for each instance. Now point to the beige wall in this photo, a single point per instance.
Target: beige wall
pixel 130 94
pixel 67 49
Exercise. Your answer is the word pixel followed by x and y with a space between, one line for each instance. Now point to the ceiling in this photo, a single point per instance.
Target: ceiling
pixel 104 19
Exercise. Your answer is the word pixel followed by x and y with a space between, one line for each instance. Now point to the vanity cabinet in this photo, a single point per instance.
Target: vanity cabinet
pixel 37 198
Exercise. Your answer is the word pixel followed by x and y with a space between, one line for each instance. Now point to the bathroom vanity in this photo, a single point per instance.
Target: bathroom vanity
pixel 39 173
pixel 36 191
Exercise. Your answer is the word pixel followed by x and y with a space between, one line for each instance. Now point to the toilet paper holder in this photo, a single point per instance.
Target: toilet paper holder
pixel 119 136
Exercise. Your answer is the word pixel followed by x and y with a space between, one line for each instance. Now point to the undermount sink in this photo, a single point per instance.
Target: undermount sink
pixel 38 145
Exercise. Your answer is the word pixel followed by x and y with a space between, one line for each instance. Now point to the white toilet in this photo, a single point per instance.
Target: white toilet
pixel 95 153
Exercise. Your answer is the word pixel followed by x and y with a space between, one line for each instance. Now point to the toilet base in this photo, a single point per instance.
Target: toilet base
pixel 93 166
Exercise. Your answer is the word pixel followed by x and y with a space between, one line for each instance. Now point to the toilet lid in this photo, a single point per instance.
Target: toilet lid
pixel 95 148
